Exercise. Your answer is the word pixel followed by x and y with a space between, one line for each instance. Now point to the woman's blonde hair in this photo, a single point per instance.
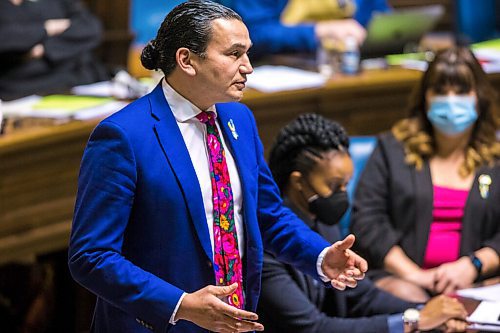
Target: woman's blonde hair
pixel 457 68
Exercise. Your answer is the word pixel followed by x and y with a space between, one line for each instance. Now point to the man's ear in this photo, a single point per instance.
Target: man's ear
pixel 295 180
pixel 184 58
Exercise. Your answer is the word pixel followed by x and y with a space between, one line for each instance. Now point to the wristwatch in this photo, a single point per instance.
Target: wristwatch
pixel 477 264
pixel 410 319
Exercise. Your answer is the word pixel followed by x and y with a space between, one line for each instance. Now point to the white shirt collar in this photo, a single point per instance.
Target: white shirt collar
pixel 182 108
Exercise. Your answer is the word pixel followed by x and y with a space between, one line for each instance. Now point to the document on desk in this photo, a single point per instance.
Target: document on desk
pixel 486 317
pixel 488 293
pixel 62 107
pixel 280 78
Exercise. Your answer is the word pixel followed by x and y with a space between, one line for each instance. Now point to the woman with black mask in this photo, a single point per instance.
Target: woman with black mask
pixel 311 164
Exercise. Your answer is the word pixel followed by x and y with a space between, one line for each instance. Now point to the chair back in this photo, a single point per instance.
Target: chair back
pixel 360 149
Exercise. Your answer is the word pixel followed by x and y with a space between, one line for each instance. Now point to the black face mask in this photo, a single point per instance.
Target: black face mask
pixel 329 210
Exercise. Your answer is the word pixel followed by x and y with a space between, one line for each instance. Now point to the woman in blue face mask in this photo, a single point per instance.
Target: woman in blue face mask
pixel 427 207
pixel 311 164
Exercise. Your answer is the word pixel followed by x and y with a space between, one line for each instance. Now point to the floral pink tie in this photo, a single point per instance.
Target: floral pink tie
pixel 227 261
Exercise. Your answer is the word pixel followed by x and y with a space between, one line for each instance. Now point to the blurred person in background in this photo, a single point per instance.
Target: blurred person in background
pixel 47 47
pixel 26 297
pixel 298 26
pixel 313 184
pixel 426 209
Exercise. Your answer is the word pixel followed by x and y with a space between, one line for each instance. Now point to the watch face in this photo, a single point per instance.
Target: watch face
pixel 411 315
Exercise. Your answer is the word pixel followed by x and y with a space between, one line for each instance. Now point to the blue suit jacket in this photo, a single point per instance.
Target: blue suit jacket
pixel 140 236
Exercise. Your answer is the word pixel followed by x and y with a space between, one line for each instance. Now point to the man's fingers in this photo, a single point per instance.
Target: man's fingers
pixel 337 284
pixel 238 324
pixel 233 312
pixel 346 243
pixel 223 290
pixel 358 261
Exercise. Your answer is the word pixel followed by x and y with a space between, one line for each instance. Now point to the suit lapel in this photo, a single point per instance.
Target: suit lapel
pixel 474 212
pixel 232 128
pixel 172 143
pixel 424 196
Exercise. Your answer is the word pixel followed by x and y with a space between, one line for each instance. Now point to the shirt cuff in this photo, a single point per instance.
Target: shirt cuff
pixel 319 262
pixel 395 323
pixel 172 317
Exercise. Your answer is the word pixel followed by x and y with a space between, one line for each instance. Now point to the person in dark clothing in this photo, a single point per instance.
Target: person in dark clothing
pixel 26 297
pixel 46 47
pixel 313 182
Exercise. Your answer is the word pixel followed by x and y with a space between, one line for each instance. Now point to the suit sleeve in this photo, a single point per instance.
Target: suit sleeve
pixel 366 8
pixel 268 34
pixel 103 205
pixel 283 233
pixel 83 34
pixel 370 219
pixel 20 37
pixel 368 300
pixel 292 311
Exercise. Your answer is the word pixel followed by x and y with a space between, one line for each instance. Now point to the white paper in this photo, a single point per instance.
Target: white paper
pixel 488 293
pixel 486 54
pixel 99 111
pixel 20 107
pixel 24 107
pixel 279 78
pixel 98 89
pixel 487 312
pixel 484 327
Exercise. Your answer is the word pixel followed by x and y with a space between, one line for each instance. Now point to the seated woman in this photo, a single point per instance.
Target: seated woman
pixel 426 211
pixel 313 183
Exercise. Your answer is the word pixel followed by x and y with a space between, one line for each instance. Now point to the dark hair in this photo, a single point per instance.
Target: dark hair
pixel 300 143
pixel 455 67
pixel 188 25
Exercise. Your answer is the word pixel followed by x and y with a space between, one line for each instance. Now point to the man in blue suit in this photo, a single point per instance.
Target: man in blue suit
pixel 143 231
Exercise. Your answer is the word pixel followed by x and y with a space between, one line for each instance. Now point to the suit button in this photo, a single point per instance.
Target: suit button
pixel 209 263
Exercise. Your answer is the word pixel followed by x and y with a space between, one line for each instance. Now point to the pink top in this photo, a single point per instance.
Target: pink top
pixel 444 236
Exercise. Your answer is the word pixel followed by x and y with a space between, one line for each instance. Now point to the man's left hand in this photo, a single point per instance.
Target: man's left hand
pixel 342 265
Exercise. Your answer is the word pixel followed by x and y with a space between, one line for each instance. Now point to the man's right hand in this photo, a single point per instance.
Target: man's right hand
pixel 442 311
pixel 206 309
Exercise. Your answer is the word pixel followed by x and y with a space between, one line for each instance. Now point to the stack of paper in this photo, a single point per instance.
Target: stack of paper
pixel 486 317
pixel 488 54
pixel 62 107
pixel 280 78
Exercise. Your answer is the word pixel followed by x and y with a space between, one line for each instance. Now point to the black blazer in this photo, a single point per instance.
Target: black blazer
pixel 291 301
pixel 393 206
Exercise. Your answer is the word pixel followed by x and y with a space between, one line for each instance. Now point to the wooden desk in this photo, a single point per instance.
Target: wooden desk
pixel 39 168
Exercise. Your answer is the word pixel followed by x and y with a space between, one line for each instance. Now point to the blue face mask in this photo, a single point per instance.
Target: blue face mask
pixel 452 115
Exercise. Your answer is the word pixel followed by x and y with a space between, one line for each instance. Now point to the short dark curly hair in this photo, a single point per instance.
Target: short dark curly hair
pixel 300 143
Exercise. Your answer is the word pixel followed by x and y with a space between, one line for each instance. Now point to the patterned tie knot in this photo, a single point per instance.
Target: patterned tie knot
pixel 206 117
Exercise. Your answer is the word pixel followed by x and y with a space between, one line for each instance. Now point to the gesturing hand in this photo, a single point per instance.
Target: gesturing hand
pixel 342 265
pixel 205 308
